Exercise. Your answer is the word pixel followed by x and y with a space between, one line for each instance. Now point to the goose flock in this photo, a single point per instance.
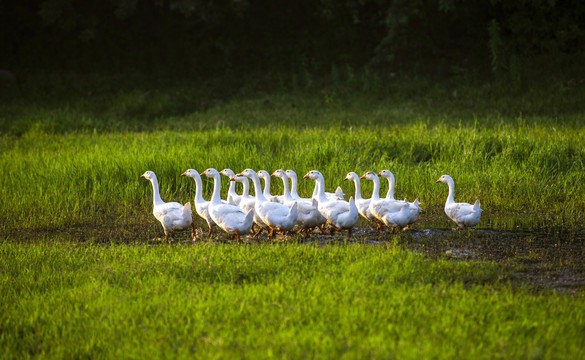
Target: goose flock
pixel 243 214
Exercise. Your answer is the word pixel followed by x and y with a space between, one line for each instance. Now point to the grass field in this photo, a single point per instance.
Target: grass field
pixel 282 301
pixel 81 278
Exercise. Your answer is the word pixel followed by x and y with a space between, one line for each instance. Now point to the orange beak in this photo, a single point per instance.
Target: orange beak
pixel 184 174
pixel 204 173
pixel 363 176
pixel 306 176
pixel 379 174
pixel 143 176
pixel 240 174
pixel 233 178
pixel 344 179
pixel 438 181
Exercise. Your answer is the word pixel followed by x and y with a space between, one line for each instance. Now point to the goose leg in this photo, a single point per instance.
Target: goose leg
pixel 166 239
pixel 258 232
pixel 210 230
pixel 238 235
pixel 193 231
pixel 349 233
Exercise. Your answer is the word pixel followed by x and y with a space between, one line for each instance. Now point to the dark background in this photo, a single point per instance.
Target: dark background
pixel 181 39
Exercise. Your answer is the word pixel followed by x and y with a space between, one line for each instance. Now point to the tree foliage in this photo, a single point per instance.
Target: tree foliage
pixel 276 35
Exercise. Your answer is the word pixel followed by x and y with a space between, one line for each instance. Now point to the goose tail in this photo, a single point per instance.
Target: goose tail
pixel 339 193
pixel 187 209
pixel 477 205
pixel 249 219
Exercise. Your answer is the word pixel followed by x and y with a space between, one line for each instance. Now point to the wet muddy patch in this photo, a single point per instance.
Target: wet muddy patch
pixel 548 261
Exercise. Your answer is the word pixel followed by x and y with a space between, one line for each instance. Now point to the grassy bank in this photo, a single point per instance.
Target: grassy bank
pixel 525 174
pixel 261 301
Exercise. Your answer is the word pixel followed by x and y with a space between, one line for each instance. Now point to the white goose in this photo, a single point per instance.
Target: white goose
pixel 248 202
pixel 308 216
pixel 340 214
pixel 380 208
pixel 363 205
pixel 232 195
pixel 263 174
pixel 228 217
pixel 463 214
pixel 201 205
pixel 171 215
pixel 414 206
pixel 277 216
pixel 396 219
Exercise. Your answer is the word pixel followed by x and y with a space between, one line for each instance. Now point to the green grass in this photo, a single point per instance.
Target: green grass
pixel 62 300
pixel 524 174
pixel 71 156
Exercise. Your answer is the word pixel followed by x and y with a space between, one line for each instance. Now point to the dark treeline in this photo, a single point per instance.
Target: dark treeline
pixel 196 37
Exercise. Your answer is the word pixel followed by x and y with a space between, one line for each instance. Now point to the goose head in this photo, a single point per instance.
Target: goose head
pixel 149 175
pixel 263 174
pixel 227 172
pixel 211 172
pixel 279 173
pixel 249 173
pixel 351 176
pixel 445 179
pixel 386 174
pixel 190 173
pixel 370 175
pixel 291 174
pixel 313 175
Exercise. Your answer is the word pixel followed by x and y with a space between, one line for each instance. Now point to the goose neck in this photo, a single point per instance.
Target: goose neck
pixel 293 186
pixel 232 188
pixel 198 189
pixel 246 187
pixel 155 192
pixel 215 198
pixel 391 184
pixel 319 191
pixel 358 188
pixel 451 196
pixel 376 190
pixel 266 192
pixel 258 189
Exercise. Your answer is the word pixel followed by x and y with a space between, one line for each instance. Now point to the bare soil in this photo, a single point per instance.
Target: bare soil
pixel 547 261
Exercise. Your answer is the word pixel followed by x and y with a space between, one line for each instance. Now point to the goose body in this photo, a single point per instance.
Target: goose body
pixel 340 214
pixel 414 206
pixel 397 219
pixel 201 205
pixel 463 214
pixel 308 215
pixel 171 215
pixel 228 217
pixel 381 209
pixel 277 216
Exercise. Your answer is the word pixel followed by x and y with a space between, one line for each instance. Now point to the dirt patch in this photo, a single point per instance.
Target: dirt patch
pixel 546 260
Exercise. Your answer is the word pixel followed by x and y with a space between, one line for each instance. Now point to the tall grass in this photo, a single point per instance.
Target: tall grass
pixel 535 171
pixel 263 301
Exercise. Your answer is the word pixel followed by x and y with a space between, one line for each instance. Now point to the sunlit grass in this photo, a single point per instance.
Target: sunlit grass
pixel 527 175
pixel 266 300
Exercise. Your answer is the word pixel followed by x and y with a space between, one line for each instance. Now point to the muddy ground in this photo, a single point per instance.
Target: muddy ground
pixel 547 261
